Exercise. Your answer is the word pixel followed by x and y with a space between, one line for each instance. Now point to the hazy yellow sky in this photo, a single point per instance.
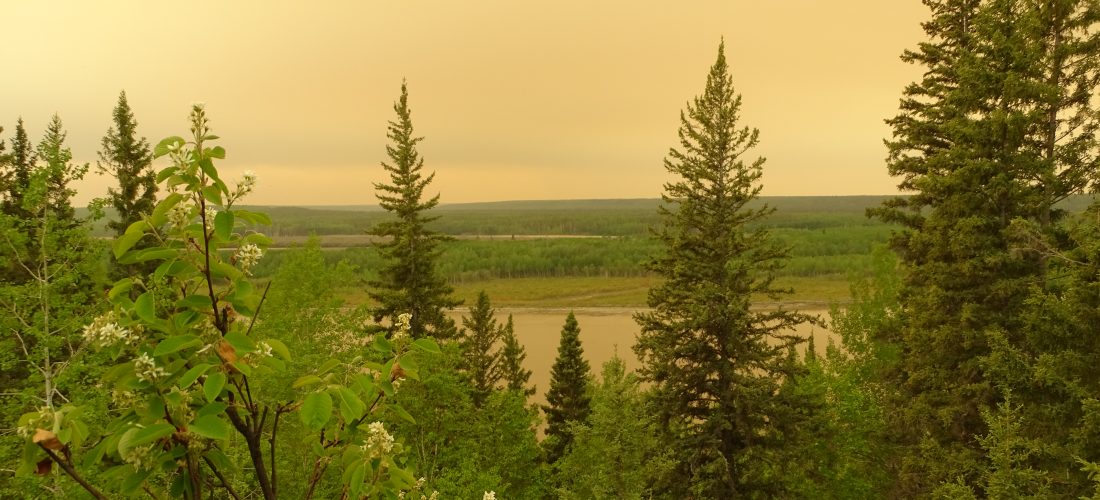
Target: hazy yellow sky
pixel 516 100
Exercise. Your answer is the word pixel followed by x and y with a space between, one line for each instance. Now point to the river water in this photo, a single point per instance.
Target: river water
pixel 604 331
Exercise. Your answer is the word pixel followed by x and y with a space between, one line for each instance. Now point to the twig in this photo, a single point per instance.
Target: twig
pixel 68 468
pixel 218 474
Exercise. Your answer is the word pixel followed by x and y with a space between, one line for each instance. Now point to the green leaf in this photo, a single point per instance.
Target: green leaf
pixel 160 212
pixel 138 436
pixel 240 342
pixel 426 345
pixel 328 365
pixel 220 269
pixel 121 286
pixel 402 413
pixel 316 411
pixel 148 254
pixel 279 348
pixel 166 173
pixel 176 268
pixel 257 218
pixel 351 407
pixel 177 343
pixel 192 375
pixel 215 408
pixel 217 151
pixel 212 387
pixel 355 481
pixel 207 168
pixel 200 302
pixel 382 345
pixel 162 147
pixel 145 308
pixel 213 195
pixel 305 380
pixel 210 426
pixel 130 238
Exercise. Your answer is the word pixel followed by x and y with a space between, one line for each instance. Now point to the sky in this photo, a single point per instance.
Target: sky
pixel 515 100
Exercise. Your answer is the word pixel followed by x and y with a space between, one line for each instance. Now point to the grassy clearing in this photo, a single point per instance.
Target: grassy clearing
pixel 564 292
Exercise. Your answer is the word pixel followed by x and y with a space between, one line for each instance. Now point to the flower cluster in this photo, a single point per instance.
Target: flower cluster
pixel 489 495
pixel 247 256
pixel 245 185
pixel 418 488
pixel 379 442
pixel 104 332
pixel 208 218
pixel 146 368
pixel 45 418
pixel 402 326
pixel 180 214
pixel 141 457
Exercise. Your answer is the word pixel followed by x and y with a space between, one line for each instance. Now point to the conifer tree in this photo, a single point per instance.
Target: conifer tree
pixel 127 157
pixel 567 400
pixel 481 357
pixel 18 173
pixel 409 281
pixel 56 161
pixel 717 367
pixel 994 135
pixel 515 376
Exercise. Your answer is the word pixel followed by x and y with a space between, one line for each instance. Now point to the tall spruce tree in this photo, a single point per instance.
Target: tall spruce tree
pixel 567 400
pixel 995 134
pixel 716 366
pixel 409 281
pixel 512 355
pixel 127 157
pixel 18 172
pixel 480 354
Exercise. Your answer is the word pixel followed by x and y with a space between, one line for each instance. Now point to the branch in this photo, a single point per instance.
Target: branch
pixel 68 468
pixel 221 477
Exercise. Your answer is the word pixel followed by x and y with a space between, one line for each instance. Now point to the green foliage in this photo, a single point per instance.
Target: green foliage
pixel 616 454
pixel 568 401
pixel 408 281
pixel 127 158
pixel 717 367
pixel 184 412
pixel 17 172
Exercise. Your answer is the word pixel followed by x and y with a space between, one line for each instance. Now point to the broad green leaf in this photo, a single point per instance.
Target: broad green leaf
pixel 316 411
pixel 129 238
pixel 215 408
pixel 279 348
pixel 160 212
pixel 177 343
pixel 134 481
pixel 382 345
pixel 147 254
pixel 258 218
pixel 200 302
pixel 221 269
pixel 351 407
pixel 213 196
pixel 240 342
pixel 302 381
pixel 166 173
pixel 162 147
pixel 426 345
pixel 145 308
pixel 176 268
pixel 216 152
pixel 402 413
pixel 212 387
pixel 211 426
pixel 328 365
pixel 121 286
pixel 355 482
pixel 207 167
pixel 192 375
pixel 138 436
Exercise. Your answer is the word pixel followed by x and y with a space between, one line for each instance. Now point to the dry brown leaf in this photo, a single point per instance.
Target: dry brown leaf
pixel 47 440
pixel 44 466
pixel 227 352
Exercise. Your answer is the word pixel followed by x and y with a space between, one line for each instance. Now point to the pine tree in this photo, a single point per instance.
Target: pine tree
pixel 409 281
pixel 511 362
pixel 567 400
pixel 481 357
pixel 56 161
pixel 717 367
pixel 128 159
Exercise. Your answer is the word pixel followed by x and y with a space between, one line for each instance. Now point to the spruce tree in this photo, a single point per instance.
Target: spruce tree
pixel 128 159
pixel 18 174
pixel 716 366
pixel 567 400
pixel 512 355
pixel 409 281
pixel 481 357
pixel 995 134
pixel 56 161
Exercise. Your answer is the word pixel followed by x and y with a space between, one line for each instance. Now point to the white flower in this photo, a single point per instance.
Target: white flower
pixel 378 442
pixel 246 184
pixel 247 256
pixel 104 332
pixel 489 495
pixel 146 368
pixel 402 325
pixel 180 214
pixel 208 220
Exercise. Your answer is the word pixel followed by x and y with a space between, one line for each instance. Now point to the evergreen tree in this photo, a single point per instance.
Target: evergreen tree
pixel 128 159
pixel 717 367
pixel 567 400
pixel 511 362
pixel 409 281
pixel 481 358
pixel 18 172
pixel 996 133
pixel 56 161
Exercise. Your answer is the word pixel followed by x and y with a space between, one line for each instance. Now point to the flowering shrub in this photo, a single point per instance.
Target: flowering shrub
pixel 182 340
